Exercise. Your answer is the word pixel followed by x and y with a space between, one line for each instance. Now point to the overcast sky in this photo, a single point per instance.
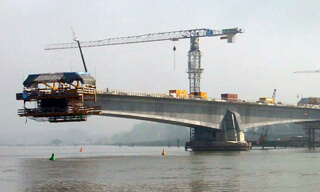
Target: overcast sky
pixel 280 37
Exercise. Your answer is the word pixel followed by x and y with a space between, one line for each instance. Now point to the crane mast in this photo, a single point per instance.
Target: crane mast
pixel 194 67
pixel 194 54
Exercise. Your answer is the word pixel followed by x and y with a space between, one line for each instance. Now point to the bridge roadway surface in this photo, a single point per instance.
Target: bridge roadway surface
pixel 197 112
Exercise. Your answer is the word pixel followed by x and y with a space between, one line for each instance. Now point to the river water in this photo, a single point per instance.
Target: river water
pixel 113 168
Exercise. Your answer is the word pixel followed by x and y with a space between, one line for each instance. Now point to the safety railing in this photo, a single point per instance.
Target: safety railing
pixel 34 93
pixel 133 93
pixel 53 110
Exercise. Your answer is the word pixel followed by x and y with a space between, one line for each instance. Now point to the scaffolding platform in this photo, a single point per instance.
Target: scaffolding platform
pixel 59 97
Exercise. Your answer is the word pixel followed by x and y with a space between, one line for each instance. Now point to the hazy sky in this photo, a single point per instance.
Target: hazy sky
pixel 280 37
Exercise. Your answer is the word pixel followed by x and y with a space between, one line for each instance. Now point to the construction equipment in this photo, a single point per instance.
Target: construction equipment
pixel 59 97
pixel 229 97
pixel 178 93
pixel 263 135
pixel 75 38
pixel 274 95
pixel 314 71
pixel 268 99
pixel 200 94
pixel 194 54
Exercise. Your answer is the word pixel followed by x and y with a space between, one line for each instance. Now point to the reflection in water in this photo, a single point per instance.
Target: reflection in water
pixel 60 175
pixel 208 173
pixel 192 173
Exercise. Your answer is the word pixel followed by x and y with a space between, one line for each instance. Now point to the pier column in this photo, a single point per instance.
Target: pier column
pixel 203 139
pixel 230 125
pixel 313 141
pixel 229 136
pixel 310 128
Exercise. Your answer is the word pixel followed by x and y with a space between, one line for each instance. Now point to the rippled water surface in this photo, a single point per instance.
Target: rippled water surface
pixel 111 168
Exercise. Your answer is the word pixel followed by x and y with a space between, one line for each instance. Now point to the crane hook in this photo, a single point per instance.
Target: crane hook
pixel 174 57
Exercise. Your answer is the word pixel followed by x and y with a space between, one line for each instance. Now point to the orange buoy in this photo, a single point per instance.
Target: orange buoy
pixel 163 153
pixel 81 149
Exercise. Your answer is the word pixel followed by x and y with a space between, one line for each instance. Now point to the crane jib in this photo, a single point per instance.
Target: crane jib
pixel 173 36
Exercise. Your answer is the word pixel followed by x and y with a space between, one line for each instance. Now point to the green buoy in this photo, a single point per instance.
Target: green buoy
pixel 52 158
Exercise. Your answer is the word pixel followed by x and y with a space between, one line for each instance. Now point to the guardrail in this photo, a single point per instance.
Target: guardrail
pixel 35 93
pixel 134 93
pixel 47 111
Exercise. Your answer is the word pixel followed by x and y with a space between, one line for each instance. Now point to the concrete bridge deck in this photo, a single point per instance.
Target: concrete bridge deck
pixel 198 112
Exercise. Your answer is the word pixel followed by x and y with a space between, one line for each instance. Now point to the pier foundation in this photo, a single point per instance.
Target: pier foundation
pixel 229 137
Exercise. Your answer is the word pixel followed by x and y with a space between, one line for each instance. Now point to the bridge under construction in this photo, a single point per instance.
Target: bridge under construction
pixel 216 124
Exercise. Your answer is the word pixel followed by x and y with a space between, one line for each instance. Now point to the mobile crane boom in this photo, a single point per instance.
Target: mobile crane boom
pixel 194 54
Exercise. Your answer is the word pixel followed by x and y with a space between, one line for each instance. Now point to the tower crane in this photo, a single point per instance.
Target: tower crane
pixel 194 54
pixel 274 95
pixel 314 71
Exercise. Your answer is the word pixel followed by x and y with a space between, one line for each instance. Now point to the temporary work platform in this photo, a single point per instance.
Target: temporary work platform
pixel 59 97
